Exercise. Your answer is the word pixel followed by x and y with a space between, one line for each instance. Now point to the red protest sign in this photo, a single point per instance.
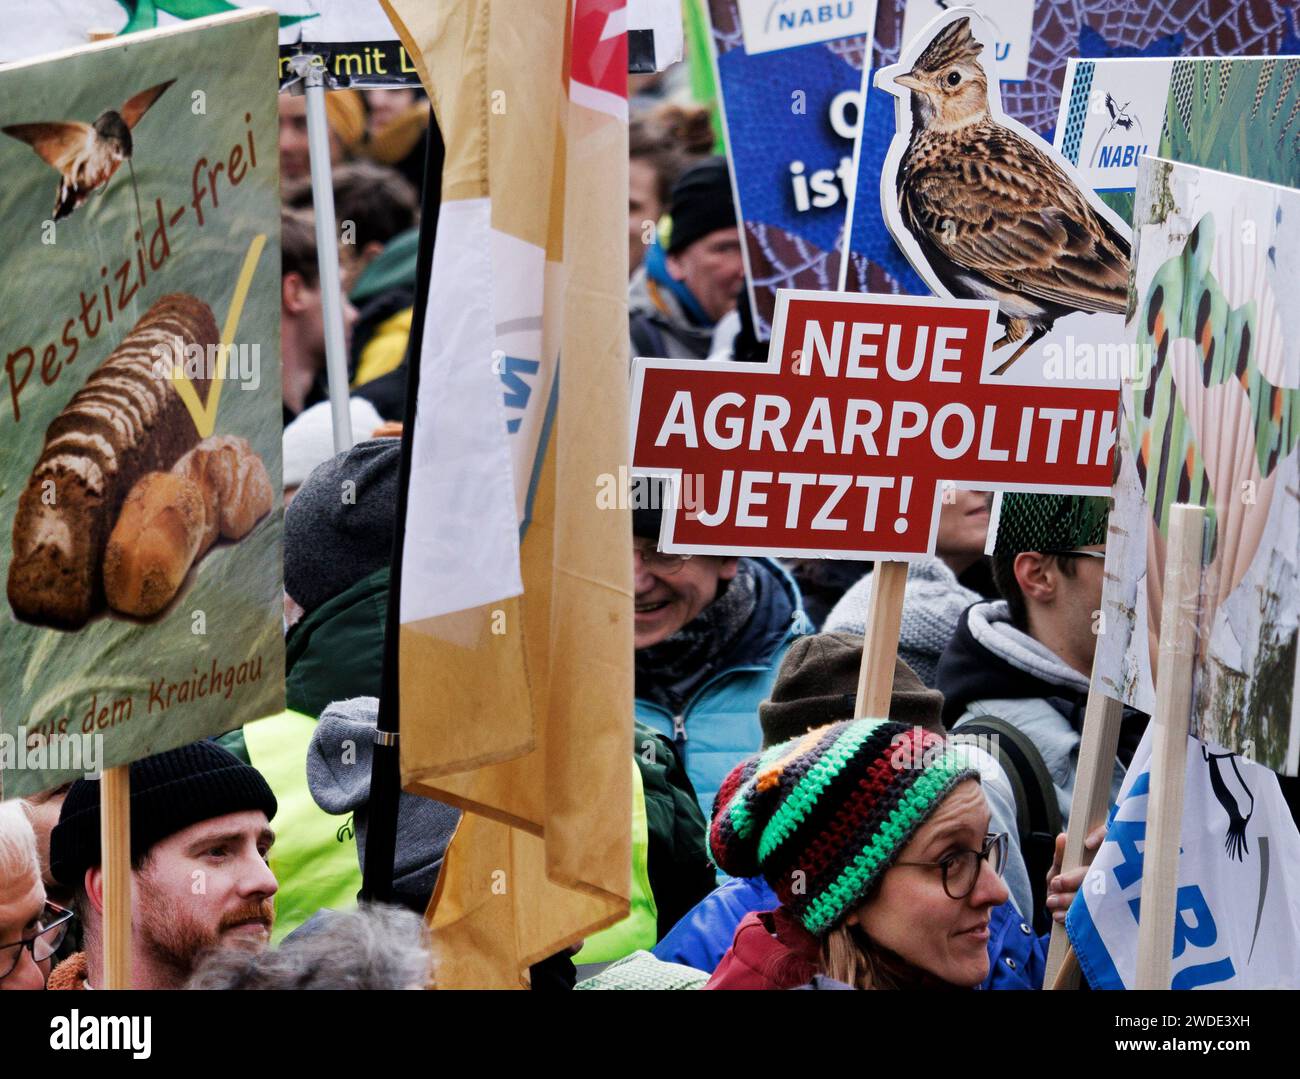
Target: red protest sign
pixel 842 443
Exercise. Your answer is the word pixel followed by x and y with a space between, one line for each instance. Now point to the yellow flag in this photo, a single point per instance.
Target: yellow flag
pixel 516 640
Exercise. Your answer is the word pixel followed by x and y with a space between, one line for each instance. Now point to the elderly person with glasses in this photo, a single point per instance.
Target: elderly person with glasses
pixel 710 632
pixel 31 929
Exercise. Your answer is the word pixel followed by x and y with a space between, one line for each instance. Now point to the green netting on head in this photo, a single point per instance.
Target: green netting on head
pixel 1050 522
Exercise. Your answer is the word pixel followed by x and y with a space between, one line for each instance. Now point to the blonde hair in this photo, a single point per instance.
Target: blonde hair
pixel 850 956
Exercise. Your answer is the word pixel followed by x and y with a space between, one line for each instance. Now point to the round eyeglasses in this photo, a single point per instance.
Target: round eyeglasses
pixel 658 562
pixel 961 868
pixel 51 927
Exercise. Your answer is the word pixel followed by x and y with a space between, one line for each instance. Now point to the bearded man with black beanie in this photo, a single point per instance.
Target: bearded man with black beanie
pixel 200 833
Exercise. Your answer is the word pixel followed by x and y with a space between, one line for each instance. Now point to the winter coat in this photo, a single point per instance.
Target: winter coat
pixel 992 668
pixel 700 939
pixel 671 871
pixel 658 322
pixel 770 950
pixel 337 651
pixel 384 296
pixel 703 936
pixel 718 727
pixel 823 582
pixel 933 602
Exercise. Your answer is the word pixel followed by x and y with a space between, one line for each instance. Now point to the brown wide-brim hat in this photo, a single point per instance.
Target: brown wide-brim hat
pixel 818 684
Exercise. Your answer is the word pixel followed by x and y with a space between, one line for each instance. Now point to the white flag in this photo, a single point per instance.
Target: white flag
pixel 1238 920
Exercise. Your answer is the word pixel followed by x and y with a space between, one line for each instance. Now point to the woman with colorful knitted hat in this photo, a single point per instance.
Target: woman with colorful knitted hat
pixel 874 836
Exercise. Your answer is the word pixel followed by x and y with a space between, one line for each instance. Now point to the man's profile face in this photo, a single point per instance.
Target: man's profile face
pixel 22 898
pixel 713 269
pixel 208 886
pixel 1081 599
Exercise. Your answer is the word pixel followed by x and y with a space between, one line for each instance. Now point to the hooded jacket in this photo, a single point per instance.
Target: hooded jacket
pixel 658 318
pixel 339 761
pixel 992 668
pixel 718 725
pixel 770 950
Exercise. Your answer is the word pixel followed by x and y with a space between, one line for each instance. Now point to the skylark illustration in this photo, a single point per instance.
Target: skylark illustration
pixel 87 155
pixel 993 214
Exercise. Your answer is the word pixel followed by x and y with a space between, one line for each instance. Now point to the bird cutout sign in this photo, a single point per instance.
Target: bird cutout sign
pixel 1215 422
pixel 985 209
pixel 86 156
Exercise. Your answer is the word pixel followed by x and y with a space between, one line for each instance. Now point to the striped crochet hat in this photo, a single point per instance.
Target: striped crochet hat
pixel 822 816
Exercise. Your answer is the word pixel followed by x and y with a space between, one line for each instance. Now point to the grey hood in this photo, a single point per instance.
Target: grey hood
pixel 338 774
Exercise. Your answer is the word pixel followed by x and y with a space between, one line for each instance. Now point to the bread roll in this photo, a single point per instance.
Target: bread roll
pixel 126 421
pixel 153 544
pixel 235 485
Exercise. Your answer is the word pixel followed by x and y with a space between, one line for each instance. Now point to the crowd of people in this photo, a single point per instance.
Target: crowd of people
pixel 785 842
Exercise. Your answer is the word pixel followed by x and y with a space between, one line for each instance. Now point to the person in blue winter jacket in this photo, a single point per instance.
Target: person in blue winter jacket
pixel 816 687
pixel 710 633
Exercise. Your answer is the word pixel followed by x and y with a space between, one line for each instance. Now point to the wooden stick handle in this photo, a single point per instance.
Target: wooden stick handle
pixel 880 641
pixel 1067 977
pixel 1088 808
pixel 1178 620
pixel 115 848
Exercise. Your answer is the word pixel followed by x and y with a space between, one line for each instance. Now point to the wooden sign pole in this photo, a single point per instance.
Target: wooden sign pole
pixel 880 641
pixel 1088 808
pixel 1178 619
pixel 115 850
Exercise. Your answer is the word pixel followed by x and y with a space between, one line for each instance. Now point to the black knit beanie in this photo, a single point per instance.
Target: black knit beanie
pixel 701 204
pixel 817 684
pixel 169 792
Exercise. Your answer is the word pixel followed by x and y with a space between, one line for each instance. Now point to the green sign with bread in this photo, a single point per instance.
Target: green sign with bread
pixel 140 416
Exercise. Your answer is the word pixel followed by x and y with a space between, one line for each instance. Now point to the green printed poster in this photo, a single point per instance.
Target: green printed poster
pixel 140 413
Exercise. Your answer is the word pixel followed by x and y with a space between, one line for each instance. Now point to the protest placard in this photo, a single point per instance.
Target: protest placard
pixel 1113 111
pixel 789 90
pixel 140 416
pixel 844 443
pixel 654 35
pixel 1233 113
pixel 1032 74
pixel 354 39
pixel 983 208
pixel 1214 422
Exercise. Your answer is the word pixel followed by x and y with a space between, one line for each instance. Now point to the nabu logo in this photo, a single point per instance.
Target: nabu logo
pixel 769 25
pixel 1122 122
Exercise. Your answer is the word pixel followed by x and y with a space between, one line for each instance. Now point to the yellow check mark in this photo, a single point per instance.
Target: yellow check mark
pixel 205 416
